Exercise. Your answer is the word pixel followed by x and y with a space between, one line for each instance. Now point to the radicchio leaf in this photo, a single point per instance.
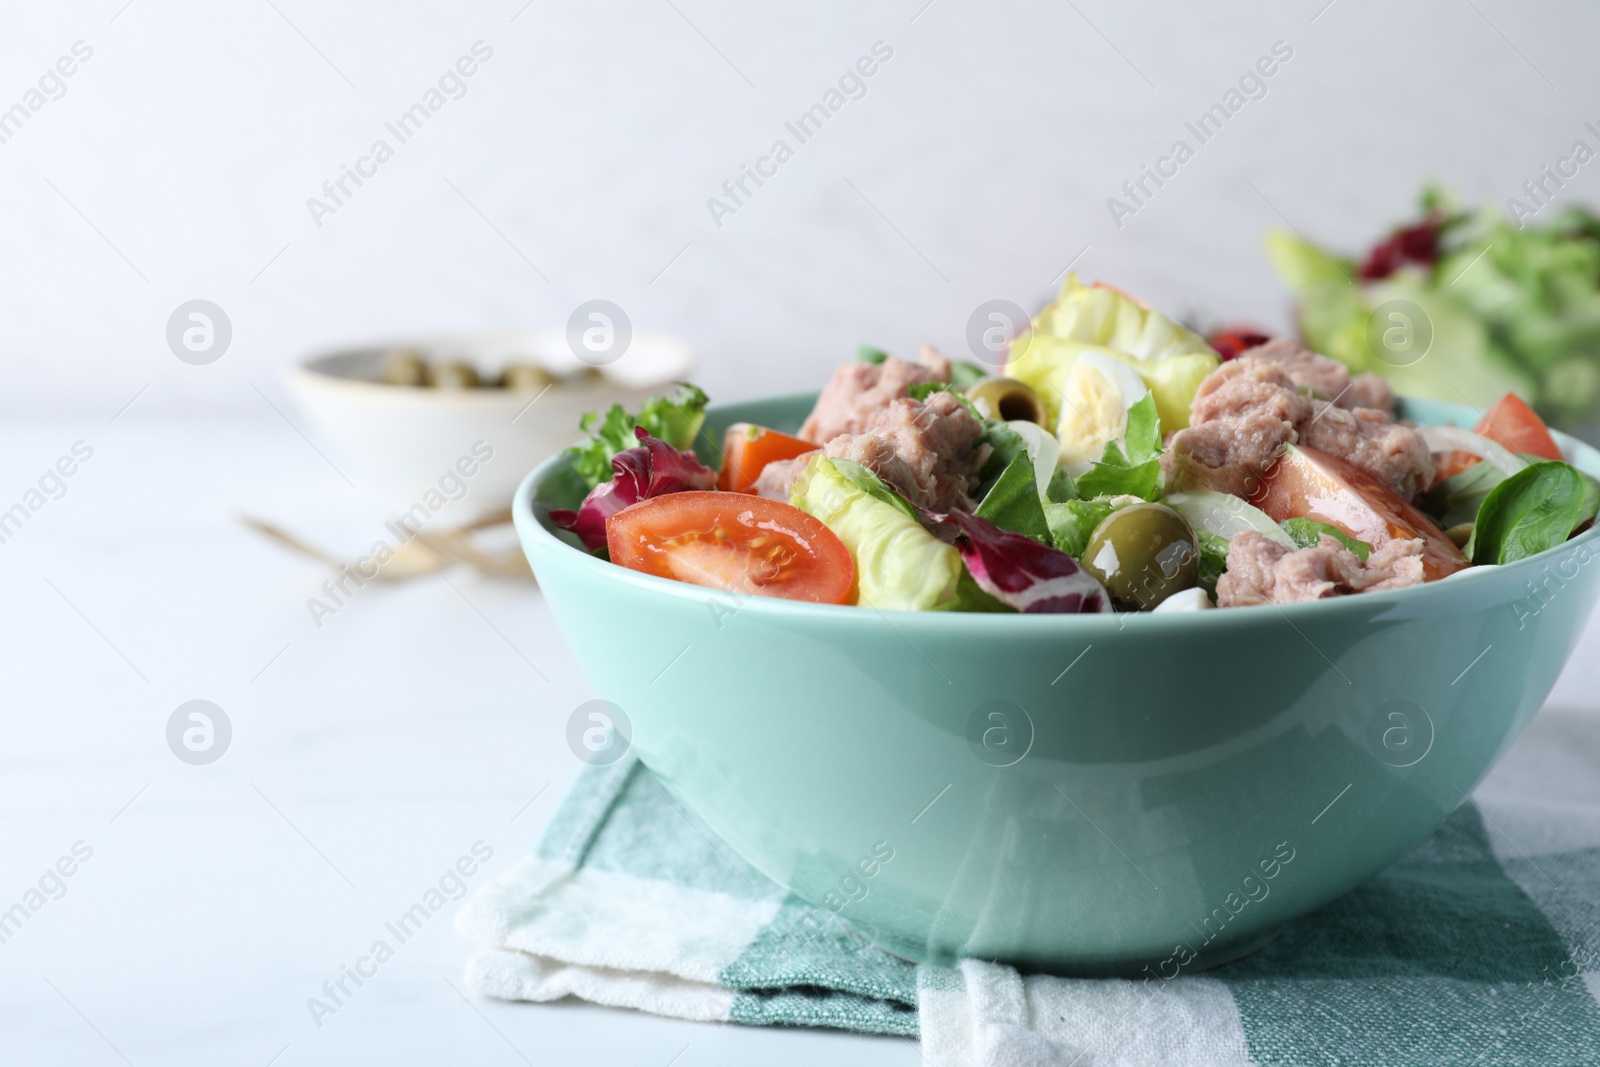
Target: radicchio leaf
pixel 1019 571
pixel 653 468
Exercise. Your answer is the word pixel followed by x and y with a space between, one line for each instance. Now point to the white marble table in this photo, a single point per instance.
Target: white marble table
pixel 367 755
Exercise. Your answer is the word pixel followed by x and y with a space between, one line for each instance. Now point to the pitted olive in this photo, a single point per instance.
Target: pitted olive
pixel 1007 399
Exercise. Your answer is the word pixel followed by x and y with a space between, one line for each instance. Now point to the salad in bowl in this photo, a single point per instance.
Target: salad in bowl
pixel 1115 462
pixel 1129 652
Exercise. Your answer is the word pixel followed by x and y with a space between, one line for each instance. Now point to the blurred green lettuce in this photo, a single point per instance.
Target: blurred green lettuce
pixel 1506 306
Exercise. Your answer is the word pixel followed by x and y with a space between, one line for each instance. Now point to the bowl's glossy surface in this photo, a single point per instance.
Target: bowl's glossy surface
pixel 1087 794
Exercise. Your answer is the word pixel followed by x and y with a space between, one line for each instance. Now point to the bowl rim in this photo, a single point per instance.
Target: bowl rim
pixel 1411 600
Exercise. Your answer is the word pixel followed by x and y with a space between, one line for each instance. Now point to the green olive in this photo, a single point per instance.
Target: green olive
pixel 404 367
pixel 1143 554
pixel 455 375
pixel 525 377
pixel 1008 399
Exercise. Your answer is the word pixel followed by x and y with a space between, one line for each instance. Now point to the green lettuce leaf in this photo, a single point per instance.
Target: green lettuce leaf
pixel 1213 559
pixel 675 419
pixel 864 479
pixel 1061 487
pixel 1012 503
pixel 964 375
pixel 970 596
pixel 1072 522
pixel 1005 445
pixel 1136 471
pixel 900 566
pixel 1142 442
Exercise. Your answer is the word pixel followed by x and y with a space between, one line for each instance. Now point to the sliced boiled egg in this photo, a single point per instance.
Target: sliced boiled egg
pixel 1094 408
pixel 1195 599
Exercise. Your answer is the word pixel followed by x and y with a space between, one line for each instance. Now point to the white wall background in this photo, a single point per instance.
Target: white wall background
pixel 178 163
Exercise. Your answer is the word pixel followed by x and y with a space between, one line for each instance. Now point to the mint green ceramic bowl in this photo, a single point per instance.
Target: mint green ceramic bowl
pixel 1087 794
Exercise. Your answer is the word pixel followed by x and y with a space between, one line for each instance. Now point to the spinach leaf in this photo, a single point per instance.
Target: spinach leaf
pixel 1308 532
pixel 1072 522
pixel 868 482
pixel 1530 511
pixel 964 376
pixel 868 354
pixel 1012 503
pixel 1591 495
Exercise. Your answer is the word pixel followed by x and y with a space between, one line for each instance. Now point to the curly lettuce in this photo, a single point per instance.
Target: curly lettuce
pixel 675 419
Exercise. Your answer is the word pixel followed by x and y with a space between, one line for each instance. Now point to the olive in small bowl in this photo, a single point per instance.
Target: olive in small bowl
pixel 405 367
pixel 455 374
pixel 1142 554
pixel 1007 399
pixel 525 376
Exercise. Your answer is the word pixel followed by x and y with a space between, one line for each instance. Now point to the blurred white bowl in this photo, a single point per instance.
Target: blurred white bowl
pixel 417 445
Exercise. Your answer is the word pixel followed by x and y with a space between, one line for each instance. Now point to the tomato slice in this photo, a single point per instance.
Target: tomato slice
pixel 1314 485
pixel 734 542
pixel 748 448
pixel 1512 423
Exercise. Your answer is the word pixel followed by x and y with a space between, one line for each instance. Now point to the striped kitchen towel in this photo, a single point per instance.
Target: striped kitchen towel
pixel 1480 948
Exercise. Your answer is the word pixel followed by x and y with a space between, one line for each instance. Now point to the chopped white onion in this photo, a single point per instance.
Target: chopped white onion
pixel 1225 515
pixel 1455 439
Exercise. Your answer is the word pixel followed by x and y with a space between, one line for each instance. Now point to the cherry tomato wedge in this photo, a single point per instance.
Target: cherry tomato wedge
pixel 734 542
pixel 1314 485
pixel 747 448
pixel 1511 423
pixel 1231 342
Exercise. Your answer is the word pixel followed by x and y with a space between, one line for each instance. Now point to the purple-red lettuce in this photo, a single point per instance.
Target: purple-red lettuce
pixel 1018 571
pixel 652 468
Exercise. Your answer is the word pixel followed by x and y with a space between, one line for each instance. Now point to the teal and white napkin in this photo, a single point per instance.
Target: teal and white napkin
pixel 1481 948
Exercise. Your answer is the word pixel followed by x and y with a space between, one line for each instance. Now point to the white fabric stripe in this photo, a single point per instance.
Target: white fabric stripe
pixel 1544 796
pixel 519 976
pixel 1541 810
pixel 615 921
pixel 1003 1020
